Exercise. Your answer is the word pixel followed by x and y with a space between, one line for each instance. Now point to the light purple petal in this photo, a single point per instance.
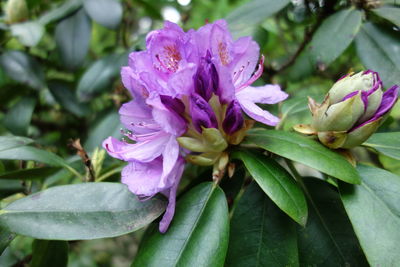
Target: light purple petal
pixel 142 179
pixel 170 156
pixel 142 151
pixel 258 114
pixel 267 94
pixel 245 60
pixel 171 195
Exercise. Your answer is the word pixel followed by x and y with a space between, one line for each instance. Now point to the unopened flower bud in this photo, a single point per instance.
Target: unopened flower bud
pixel 352 110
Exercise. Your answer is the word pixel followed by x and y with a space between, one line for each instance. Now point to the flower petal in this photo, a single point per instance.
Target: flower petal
pixel 267 94
pixel 176 175
pixel 145 151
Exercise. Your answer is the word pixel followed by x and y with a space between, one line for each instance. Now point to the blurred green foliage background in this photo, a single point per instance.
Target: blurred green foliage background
pixel 59 78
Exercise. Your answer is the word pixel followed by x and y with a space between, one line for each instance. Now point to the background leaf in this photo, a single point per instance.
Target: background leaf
pixel 197 236
pixel 23 68
pixel 329 41
pixel 19 116
pixel 373 209
pixel 72 37
pixel 99 75
pixel 32 153
pixel 80 211
pixel 261 235
pixel 378 49
pixel 63 10
pixel 28 33
pixel 253 13
pixel 390 13
pixel 277 183
pixel 328 238
pixel 5 238
pixel 385 143
pixel 8 142
pixel 105 12
pixel 64 95
pixel 304 150
pixel 49 253
pixel 29 174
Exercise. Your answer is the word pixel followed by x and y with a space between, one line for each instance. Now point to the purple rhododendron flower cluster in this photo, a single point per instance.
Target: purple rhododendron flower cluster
pixel 192 85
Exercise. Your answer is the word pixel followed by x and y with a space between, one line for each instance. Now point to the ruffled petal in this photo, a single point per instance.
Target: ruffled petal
pixel 142 179
pixel 257 113
pixel 267 94
pixel 145 151
pixel 176 175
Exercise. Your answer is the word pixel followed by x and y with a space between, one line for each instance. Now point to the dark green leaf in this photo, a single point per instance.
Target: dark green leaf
pixel 253 13
pixel 390 13
pixel 328 238
pixel 64 95
pixel 8 142
pixel 10 187
pixel 373 208
pixel 72 38
pixel 49 253
pixel 329 41
pixel 63 10
pixel 19 116
pixel 103 127
pixel 5 238
pixel 304 150
pixel 80 211
pixel 261 235
pixel 28 33
pixel 105 12
pixel 32 153
pixel 29 174
pixel 22 68
pixel 100 75
pixel 377 48
pixel 277 183
pixel 385 143
pixel 197 236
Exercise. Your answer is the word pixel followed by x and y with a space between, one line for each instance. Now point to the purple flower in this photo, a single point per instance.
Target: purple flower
pixel 189 90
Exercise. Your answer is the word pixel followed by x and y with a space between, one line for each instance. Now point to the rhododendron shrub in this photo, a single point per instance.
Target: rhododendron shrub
pixel 199 133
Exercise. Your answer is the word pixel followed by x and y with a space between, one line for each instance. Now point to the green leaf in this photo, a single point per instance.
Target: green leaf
pixel 28 33
pixel 252 13
pixel 304 150
pixel 390 13
pixel 373 208
pixel 32 153
pixel 18 118
pixel 8 142
pixel 22 68
pixel 29 174
pixel 105 12
pixel 10 187
pixel 60 12
pixel 49 253
pixel 197 236
pixel 277 183
pixel 385 143
pixel 100 75
pixel 64 95
pixel 80 211
pixel 377 47
pixel 5 239
pixel 329 41
pixel 72 37
pixel 261 235
pixel 106 125
pixel 328 238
